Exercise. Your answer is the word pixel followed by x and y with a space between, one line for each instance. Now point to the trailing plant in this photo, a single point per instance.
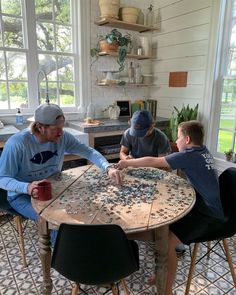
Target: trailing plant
pixel 123 42
pixel 185 114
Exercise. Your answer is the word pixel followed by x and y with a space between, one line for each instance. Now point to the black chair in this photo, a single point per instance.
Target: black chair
pixel 95 255
pixel 7 214
pixel 220 232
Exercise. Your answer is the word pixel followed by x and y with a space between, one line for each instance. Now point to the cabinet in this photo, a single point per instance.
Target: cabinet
pixel 107 143
pixel 128 26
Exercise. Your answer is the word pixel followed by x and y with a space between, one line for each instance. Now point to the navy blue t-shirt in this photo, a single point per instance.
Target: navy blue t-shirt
pixel 198 165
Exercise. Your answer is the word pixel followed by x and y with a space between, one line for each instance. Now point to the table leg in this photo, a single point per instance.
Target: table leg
pixel 45 256
pixel 161 255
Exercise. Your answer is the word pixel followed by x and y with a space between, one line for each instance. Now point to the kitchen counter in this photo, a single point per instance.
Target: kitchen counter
pixel 112 125
pixel 107 136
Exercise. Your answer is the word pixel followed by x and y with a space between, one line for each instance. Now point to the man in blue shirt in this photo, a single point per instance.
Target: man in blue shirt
pixel 35 154
pixel 198 164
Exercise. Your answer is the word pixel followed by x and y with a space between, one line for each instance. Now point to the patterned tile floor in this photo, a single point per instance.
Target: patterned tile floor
pixel 212 275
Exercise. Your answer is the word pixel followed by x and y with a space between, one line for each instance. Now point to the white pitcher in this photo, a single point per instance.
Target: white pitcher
pixel 114 112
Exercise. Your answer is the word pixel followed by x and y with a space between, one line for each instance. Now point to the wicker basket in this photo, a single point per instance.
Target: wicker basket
pixel 109 8
pixel 129 14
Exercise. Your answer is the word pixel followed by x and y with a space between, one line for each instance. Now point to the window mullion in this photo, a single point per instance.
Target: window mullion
pixel 32 60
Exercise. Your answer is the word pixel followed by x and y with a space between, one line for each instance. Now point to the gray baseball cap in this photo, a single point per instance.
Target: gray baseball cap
pixel 48 114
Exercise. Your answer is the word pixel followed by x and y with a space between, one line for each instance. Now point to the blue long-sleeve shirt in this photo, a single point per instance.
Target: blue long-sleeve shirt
pixel 24 159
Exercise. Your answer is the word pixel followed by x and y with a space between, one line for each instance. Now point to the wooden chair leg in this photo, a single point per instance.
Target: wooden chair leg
pixel 114 289
pixel 192 267
pixel 18 221
pixel 124 286
pixel 75 289
pixel 229 259
pixel 208 247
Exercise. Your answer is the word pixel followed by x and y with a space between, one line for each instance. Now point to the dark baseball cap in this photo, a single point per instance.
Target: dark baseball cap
pixel 141 121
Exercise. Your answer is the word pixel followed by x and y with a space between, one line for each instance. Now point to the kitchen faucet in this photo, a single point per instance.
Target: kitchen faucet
pixel 42 72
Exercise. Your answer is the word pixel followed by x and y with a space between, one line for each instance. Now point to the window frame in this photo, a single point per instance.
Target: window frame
pixel 218 52
pixel 81 16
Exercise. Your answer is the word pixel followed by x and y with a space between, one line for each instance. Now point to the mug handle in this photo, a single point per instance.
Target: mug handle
pixel 36 198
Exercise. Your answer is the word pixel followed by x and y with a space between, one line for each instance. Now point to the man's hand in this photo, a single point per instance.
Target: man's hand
pixel 115 175
pixel 33 185
pixel 128 157
pixel 122 164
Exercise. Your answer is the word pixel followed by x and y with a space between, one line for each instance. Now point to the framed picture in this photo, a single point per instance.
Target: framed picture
pixel 124 108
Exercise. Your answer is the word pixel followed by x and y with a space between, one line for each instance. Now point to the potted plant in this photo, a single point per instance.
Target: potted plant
pixel 229 155
pixel 185 114
pixel 113 41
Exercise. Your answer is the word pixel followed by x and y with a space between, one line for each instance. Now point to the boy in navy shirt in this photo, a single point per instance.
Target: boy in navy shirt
pixel 198 164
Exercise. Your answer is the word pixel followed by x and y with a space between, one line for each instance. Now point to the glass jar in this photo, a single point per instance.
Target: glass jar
pixel 90 111
pixel 140 20
pixel 131 73
pixel 138 75
pixel 150 16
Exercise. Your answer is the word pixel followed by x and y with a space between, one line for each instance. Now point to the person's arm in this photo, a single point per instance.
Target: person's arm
pixel 74 146
pixel 163 144
pixel 144 162
pixel 10 161
pixel 124 153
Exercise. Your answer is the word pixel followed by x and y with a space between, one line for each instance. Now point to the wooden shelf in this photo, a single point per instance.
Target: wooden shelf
pixel 126 84
pixel 136 56
pixel 124 25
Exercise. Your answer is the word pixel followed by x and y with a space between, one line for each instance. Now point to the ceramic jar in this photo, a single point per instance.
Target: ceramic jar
pixel 130 14
pixel 109 8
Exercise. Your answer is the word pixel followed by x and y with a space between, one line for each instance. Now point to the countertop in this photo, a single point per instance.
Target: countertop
pixel 107 126
pixel 112 125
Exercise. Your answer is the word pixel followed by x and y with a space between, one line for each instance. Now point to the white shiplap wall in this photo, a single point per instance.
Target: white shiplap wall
pixel 182 44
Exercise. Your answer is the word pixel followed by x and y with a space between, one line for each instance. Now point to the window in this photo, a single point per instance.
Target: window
pixel 38 35
pixel 13 71
pixel 226 83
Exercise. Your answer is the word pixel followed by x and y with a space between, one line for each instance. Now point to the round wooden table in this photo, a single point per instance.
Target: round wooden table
pixel 148 201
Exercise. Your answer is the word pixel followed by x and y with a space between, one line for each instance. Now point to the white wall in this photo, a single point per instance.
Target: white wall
pixel 182 44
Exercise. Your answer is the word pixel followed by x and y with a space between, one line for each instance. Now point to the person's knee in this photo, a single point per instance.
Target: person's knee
pixel 22 204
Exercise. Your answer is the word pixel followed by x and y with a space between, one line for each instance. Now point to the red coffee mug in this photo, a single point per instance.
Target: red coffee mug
pixel 44 191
